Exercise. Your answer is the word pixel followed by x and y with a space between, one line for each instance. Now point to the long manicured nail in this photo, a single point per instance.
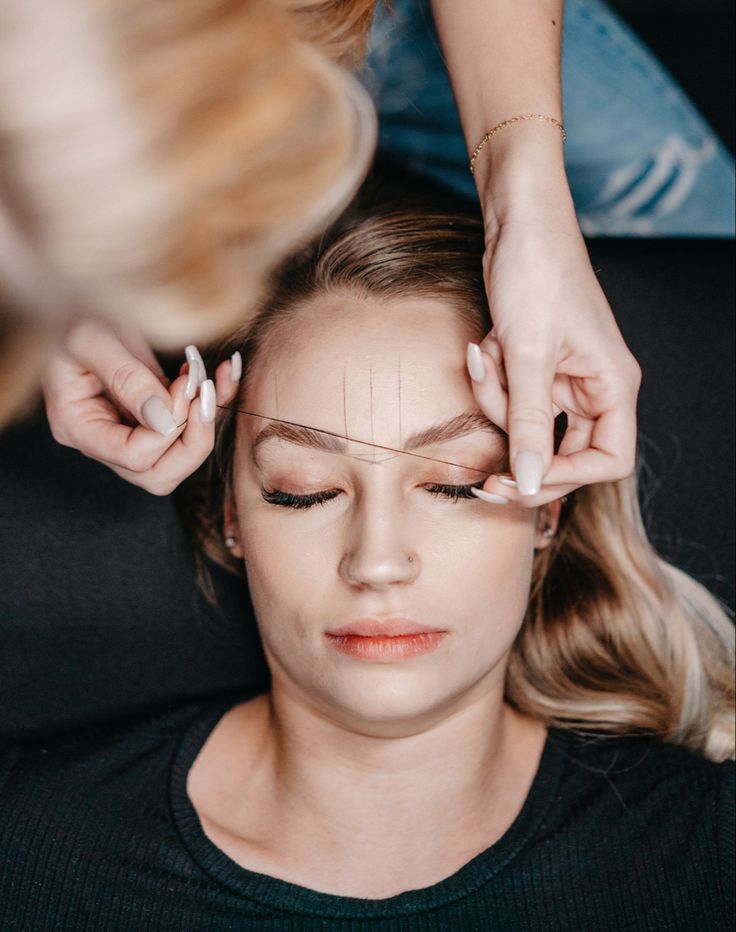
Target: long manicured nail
pixel 236 366
pixel 207 401
pixel 190 392
pixel 192 353
pixel 528 469
pixel 490 497
pixel 476 366
pixel 507 480
pixel 158 417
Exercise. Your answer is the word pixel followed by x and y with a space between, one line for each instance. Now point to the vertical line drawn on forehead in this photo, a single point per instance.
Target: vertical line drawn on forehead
pixel 344 400
pixel 398 386
pixel 370 384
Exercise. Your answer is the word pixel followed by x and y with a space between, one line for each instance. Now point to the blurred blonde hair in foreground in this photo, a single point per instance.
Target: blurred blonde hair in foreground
pixel 158 157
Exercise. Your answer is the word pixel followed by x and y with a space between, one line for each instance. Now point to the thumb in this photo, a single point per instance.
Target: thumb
pixel 132 384
pixel 530 376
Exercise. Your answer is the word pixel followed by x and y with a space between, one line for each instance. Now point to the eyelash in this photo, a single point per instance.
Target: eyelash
pixel 288 500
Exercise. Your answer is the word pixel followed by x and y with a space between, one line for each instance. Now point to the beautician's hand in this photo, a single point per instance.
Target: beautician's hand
pixel 107 397
pixel 555 346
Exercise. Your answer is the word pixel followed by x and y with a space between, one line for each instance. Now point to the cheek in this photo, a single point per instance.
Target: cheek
pixel 484 551
pixel 285 563
pixel 482 569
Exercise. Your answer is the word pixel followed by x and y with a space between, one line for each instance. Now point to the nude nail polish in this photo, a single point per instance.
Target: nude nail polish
pixel 192 353
pixel 528 469
pixel 490 497
pixel 236 366
pixel 476 366
pixel 158 417
pixel 193 380
pixel 207 401
pixel 507 480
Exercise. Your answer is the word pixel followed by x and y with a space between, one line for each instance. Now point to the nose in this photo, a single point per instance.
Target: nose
pixel 377 554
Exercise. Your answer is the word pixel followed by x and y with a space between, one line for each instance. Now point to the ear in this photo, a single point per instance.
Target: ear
pixel 231 527
pixel 548 518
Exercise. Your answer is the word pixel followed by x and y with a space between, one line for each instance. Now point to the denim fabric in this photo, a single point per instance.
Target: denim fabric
pixel 640 159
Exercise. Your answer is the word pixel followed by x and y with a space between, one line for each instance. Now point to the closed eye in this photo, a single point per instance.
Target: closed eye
pixel 289 500
pixel 454 492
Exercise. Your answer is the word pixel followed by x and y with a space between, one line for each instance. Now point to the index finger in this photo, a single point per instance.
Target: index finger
pixel 93 427
pixel 130 383
pixel 529 375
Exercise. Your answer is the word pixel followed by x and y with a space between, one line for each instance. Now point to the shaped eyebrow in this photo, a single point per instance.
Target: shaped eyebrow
pixel 302 435
pixel 318 439
pixel 457 426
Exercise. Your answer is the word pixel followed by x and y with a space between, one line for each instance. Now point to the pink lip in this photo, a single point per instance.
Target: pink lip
pixel 385 640
pixel 382 627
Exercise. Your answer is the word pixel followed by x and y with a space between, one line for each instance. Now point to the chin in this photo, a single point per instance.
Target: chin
pixel 387 702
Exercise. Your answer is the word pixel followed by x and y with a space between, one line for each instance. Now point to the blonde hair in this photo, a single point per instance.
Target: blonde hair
pixel 615 640
pixel 339 28
pixel 156 160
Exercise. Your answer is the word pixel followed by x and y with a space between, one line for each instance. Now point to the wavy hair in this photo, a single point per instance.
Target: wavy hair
pixel 615 639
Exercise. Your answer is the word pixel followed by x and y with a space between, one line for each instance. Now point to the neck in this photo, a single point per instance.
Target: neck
pixel 423 802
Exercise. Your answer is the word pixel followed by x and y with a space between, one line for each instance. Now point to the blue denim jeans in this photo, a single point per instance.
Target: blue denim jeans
pixel 640 159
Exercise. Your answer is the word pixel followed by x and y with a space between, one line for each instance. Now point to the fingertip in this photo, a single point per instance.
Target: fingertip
pixel 490 497
pixel 227 389
pixel 194 378
pixel 207 401
pixel 193 355
pixel 236 367
pixel 178 390
pixel 528 471
pixel 475 364
pixel 157 416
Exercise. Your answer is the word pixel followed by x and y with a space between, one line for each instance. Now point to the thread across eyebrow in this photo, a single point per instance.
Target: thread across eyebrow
pixel 333 442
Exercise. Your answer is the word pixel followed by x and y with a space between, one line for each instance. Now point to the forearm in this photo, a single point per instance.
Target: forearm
pixel 503 57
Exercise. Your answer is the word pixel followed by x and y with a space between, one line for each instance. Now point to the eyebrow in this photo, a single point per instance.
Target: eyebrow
pixel 458 426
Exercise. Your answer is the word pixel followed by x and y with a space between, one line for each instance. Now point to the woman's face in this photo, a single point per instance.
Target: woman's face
pixel 385 591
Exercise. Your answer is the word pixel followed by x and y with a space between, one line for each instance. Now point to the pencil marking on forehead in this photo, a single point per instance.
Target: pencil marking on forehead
pixel 344 401
pixel 398 386
pixel 370 385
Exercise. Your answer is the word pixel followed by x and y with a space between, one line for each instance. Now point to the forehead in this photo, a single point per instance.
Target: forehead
pixel 368 365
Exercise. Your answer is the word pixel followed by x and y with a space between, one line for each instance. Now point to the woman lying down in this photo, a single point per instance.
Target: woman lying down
pixel 482 715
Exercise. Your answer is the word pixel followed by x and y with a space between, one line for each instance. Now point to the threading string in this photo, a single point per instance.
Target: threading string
pixel 331 433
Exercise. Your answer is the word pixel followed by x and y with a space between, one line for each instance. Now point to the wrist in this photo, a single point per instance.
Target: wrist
pixel 521 171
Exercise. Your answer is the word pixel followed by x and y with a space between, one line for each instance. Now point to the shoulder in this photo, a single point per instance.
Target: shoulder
pixel 644 769
pixel 118 760
pixel 87 830
pixel 652 803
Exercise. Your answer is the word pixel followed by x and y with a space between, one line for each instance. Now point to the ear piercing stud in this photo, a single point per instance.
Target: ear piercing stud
pixel 230 541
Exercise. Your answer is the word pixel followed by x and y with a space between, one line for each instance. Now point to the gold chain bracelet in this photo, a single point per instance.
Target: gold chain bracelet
pixel 516 119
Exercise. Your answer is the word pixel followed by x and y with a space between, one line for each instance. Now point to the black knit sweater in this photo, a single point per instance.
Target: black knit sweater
pixel 97 833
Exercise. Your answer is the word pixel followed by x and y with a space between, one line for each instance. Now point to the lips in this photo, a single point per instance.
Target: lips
pixel 385 640
pixel 382 627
